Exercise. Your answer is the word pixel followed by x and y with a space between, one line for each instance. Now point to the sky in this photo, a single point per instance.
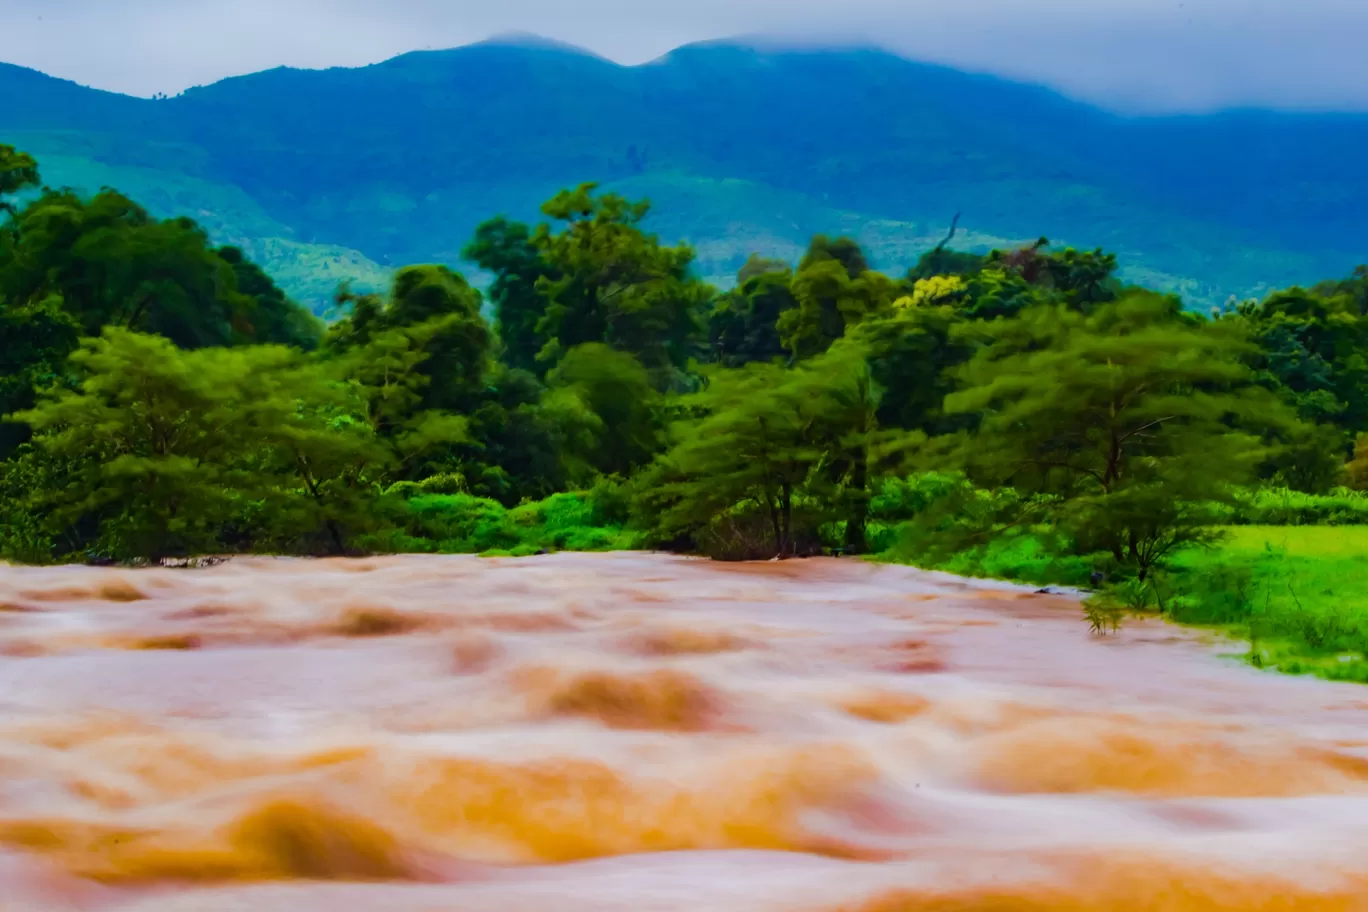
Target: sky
pixel 1130 55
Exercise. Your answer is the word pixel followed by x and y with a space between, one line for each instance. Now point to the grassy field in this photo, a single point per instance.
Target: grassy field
pixel 1298 594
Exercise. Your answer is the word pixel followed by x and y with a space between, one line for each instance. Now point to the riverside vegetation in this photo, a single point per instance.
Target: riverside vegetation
pixel 1021 414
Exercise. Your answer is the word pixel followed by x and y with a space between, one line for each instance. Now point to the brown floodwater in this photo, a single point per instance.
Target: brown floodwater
pixel 644 732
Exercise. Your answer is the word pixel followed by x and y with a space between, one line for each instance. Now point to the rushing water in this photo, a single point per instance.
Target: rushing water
pixel 638 732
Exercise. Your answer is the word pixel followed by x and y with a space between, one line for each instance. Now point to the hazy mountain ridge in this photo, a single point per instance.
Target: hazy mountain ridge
pixel 742 148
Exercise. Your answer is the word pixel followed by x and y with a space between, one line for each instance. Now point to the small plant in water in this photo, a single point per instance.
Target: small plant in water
pixel 1104 614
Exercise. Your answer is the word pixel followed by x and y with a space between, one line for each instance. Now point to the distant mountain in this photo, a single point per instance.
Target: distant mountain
pixel 351 171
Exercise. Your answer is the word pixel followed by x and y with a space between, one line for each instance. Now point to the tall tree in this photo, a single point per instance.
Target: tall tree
pixel 1125 416
pixel 270 316
pixel 843 250
pixel 748 444
pixel 613 283
pixel 505 248
pixel 434 315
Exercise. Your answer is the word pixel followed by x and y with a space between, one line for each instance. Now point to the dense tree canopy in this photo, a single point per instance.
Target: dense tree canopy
pixel 1132 417
pixel 164 397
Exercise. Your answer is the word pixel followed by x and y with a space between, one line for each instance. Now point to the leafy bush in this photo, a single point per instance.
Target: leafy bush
pixel 465 524
pixel 461 523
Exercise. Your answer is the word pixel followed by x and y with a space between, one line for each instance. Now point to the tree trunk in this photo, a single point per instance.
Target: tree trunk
pixel 339 546
pixel 786 549
pixel 776 523
pixel 334 531
pixel 855 541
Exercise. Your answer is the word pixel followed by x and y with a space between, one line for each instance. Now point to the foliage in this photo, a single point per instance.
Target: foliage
pixel 751 440
pixel 110 263
pixel 1123 415
pixel 613 283
pixel 1270 506
pixel 833 289
pixel 619 407
pixel 592 520
pixel 743 326
pixel 18 171
pixel 505 248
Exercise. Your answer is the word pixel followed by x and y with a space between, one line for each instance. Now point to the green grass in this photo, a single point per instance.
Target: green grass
pixel 1297 594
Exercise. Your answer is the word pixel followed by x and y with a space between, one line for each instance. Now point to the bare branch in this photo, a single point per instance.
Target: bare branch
pixel 954 225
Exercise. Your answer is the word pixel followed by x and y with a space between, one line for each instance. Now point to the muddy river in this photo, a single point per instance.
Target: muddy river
pixel 642 732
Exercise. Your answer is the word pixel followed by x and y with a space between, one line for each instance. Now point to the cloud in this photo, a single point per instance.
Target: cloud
pixel 1144 54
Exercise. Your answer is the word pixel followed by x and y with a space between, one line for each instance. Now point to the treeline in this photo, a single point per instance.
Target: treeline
pixel 165 399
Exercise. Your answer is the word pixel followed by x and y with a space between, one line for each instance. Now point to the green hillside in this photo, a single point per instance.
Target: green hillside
pixel 348 173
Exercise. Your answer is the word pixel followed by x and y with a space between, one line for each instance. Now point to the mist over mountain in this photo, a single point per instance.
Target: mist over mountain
pixel 742 147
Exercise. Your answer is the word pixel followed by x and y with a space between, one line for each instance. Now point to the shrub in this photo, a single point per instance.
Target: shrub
pixel 1287 507
pixel 744 532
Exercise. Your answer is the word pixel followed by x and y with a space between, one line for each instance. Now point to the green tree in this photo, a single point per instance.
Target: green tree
pixel 942 261
pixel 270 316
pixel 613 283
pixel 1125 417
pixel 112 264
pixel 774 439
pixel 522 443
pixel 757 265
pixel 154 440
pixel 35 340
pixel 743 327
pixel 847 433
pixel 1313 351
pixel 421 356
pixel 747 444
pixel 505 248
pixel 832 294
pixel 844 251
pixel 621 407
pixel 18 171
pixel 912 351
pixel 166 452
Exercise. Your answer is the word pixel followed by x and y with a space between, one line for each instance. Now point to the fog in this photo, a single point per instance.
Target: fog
pixel 1126 54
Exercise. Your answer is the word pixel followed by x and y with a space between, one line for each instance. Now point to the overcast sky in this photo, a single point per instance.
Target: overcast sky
pixel 1147 54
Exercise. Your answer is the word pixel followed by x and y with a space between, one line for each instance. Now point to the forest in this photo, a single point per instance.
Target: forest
pixel 164 399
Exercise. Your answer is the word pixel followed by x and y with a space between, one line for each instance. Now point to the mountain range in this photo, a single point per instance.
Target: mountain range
pixel 324 175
